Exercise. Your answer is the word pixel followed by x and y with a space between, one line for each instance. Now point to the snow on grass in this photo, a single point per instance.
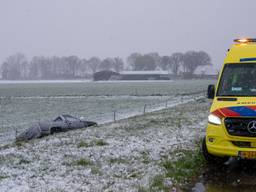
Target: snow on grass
pixel 121 156
pixel 23 104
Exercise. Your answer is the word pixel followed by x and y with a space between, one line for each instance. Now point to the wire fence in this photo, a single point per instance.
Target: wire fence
pixel 170 102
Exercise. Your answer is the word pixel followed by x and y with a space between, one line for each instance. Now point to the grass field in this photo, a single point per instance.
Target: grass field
pixel 149 153
pixel 24 103
pixel 103 88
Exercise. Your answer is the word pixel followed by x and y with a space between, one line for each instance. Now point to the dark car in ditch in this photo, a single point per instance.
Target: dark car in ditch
pixel 61 123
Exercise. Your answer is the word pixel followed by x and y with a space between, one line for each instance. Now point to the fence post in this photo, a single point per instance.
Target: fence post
pixel 144 110
pixel 114 116
pixel 166 104
pixel 16 133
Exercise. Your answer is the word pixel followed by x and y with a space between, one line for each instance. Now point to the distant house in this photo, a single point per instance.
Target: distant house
pixel 104 75
pixel 145 75
pixel 132 75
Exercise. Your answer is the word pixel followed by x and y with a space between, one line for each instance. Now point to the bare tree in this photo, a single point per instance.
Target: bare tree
pixel 94 64
pixel 16 67
pixel 140 62
pixel 34 72
pixel 107 64
pixel 118 64
pixel 176 60
pixel 165 62
pixel 84 67
pixel 5 70
pixel 73 63
pixel 132 58
pixel 156 58
pixel 193 59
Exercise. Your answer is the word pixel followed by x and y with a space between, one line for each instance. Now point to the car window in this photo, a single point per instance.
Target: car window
pixel 57 119
pixel 70 118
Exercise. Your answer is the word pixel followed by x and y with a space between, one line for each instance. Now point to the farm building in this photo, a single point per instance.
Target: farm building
pixel 133 75
pixel 145 75
pixel 148 75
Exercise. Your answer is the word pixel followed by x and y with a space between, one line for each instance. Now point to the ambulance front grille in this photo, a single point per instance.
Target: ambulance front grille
pixel 239 126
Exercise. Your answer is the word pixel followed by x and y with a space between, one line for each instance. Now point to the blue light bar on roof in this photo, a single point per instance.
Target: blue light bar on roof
pixel 247 59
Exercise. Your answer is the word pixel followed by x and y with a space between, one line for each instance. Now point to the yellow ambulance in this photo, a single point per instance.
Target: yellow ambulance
pixel 231 129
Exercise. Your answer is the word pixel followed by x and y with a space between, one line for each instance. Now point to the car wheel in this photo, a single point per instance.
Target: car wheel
pixel 55 130
pixel 211 159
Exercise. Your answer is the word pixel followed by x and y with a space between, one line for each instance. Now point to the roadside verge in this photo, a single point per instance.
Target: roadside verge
pixel 153 152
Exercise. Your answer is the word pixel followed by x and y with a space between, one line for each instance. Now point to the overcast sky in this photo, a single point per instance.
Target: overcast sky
pixel 119 27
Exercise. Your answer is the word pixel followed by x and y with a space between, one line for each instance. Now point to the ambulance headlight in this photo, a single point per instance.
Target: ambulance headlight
pixel 213 119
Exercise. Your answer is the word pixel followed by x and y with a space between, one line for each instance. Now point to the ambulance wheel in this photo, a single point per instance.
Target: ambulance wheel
pixel 211 159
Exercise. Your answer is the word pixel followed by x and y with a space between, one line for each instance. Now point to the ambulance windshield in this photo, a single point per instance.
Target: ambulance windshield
pixel 238 80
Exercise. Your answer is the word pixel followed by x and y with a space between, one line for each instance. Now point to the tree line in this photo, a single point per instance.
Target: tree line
pixel 18 67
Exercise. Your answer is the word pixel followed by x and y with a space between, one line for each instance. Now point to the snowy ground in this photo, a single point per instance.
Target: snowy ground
pixel 24 103
pixel 121 156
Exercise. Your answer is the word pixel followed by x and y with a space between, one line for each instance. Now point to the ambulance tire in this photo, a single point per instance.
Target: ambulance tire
pixel 211 159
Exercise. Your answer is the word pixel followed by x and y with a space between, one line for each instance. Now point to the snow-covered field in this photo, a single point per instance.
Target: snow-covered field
pixel 41 81
pixel 120 156
pixel 24 103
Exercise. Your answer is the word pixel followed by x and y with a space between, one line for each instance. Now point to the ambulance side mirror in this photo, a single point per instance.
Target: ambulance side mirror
pixel 211 92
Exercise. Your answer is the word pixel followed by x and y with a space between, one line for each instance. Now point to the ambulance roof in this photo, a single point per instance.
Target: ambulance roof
pixel 242 52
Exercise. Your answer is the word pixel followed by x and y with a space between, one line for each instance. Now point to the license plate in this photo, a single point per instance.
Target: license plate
pixel 247 154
